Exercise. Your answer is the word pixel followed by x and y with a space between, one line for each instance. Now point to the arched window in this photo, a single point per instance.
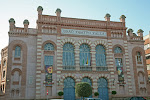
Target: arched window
pixel 68 55
pixel 100 56
pixel 139 57
pixel 86 79
pixel 17 52
pixel 117 50
pixel 48 46
pixel 85 58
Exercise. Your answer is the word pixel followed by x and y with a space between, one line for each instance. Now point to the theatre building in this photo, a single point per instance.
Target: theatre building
pixel 61 52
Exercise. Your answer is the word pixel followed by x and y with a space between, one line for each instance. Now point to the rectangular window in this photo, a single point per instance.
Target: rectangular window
pixel 31 80
pixel 149 77
pixel 48 60
pixel 148 57
pixel 148 67
pixel 119 67
pixel 85 59
pixel 118 62
pixel 146 46
pixel 3 74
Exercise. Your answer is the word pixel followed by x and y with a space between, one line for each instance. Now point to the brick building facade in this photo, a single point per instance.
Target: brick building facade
pixel 63 51
pixel 147 52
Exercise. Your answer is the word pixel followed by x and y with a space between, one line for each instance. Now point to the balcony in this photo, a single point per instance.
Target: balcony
pixel 69 68
pixel 85 68
pixel 102 68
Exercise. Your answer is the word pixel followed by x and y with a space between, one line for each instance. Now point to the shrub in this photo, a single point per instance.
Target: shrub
pixel 83 89
pixel 60 93
pixel 96 94
pixel 114 92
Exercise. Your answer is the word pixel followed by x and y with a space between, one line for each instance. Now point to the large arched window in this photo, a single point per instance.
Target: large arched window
pixel 68 55
pixel 117 50
pixel 86 79
pixel 100 56
pixel 85 58
pixel 48 46
pixel 17 52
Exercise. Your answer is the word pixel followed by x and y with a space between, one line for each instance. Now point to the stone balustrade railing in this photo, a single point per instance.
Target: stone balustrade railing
pixel 49 18
pixel 116 24
pixel 136 38
pixel 84 68
pixel 117 35
pixel 82 22
pixel 18 30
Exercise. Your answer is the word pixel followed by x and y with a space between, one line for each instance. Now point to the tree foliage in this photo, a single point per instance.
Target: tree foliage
pixel 114 92
pixel 60 93
pixel 96 94
pixel 83 89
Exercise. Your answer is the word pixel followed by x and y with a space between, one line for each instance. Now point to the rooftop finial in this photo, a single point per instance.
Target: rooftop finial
pixel 58 10
pixel 140 31
pixel 107 15
pixel 40 8
pixel 11 20
pixel 26 22
pixel 122 16
pixel 130 30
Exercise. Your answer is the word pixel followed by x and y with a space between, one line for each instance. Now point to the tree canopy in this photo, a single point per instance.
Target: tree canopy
pixel 83 89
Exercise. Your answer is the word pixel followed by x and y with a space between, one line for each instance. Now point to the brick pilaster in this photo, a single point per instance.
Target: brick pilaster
pixel 38 67
pixel 110 64
pixel 128 81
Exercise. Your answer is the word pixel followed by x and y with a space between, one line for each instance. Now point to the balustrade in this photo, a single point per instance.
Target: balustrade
pixel 102 68
pixel 68 67
pixel 84 68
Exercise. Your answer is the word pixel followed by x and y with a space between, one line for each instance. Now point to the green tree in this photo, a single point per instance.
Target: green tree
pixel 83 89
pixel 60 93
pixel 96 94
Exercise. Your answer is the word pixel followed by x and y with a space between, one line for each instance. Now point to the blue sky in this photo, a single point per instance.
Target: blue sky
pixel 137 12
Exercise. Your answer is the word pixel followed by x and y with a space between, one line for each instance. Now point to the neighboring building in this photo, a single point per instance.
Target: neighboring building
pixel 63 51
pixel 3 70
pixel 147 52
